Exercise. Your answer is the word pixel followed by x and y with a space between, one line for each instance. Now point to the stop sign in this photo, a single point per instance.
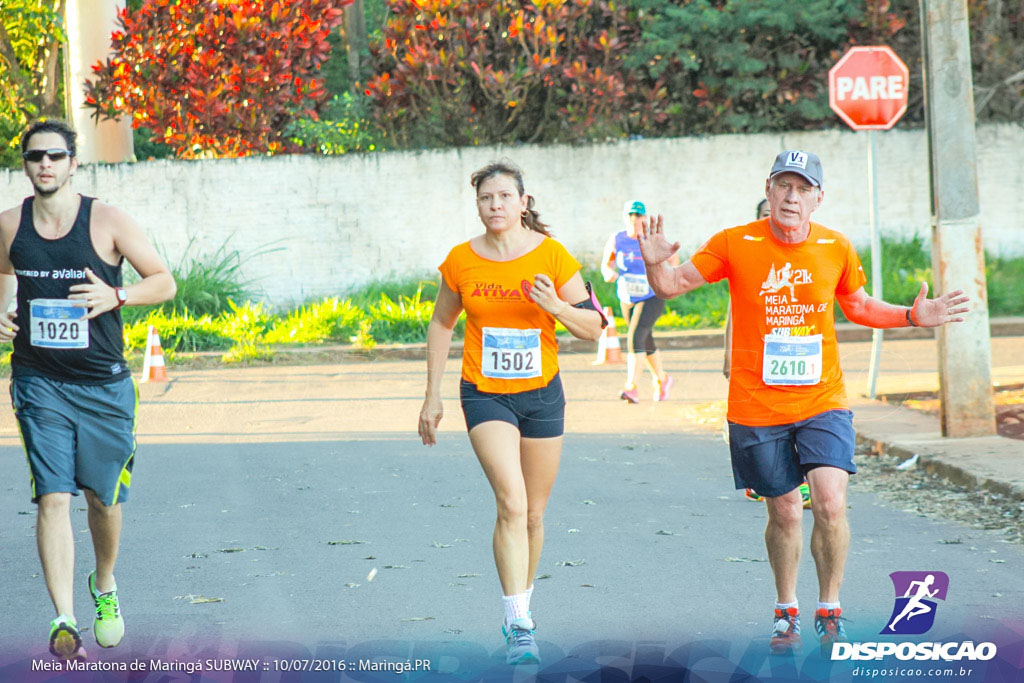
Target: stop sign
pixel 868 88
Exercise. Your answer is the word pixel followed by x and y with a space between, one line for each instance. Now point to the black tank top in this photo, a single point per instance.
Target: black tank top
pixel 46 269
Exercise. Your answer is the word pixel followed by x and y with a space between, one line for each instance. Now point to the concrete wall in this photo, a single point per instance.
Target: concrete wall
pixel 316 226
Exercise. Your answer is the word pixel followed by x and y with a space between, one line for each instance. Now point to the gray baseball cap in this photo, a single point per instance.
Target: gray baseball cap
pixel 806 164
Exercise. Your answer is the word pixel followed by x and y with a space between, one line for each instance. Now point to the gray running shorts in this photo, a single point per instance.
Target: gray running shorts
pixel 77 436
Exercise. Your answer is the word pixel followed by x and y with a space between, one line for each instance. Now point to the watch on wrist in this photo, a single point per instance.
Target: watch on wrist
pixel 122 297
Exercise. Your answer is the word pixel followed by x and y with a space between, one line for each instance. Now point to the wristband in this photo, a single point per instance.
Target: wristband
pixel 910 321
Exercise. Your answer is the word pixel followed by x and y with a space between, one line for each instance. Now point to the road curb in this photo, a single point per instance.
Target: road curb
pixel 982 463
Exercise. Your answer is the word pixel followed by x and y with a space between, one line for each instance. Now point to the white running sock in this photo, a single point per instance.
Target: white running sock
pixel 516 606
pixel 630 370
pixel 827 605
pixel 787 605
pixel 529 596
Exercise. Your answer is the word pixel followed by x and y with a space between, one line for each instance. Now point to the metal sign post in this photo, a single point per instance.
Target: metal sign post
pixel 876 260
pixel 867 88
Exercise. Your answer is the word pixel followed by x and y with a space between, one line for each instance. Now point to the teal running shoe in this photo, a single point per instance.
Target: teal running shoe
pixel 522 647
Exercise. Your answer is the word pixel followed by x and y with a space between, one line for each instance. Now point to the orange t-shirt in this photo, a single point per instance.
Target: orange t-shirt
pixel 510 344
pixel 785 291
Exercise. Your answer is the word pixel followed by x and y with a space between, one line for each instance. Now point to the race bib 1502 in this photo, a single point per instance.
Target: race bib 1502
pixel 510 353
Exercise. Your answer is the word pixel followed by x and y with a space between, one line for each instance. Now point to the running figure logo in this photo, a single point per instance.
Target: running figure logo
pixel 779 279
pixel 914 612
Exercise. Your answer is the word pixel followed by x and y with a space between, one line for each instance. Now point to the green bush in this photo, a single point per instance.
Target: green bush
pixel 206 283
pixel 345 126
pixel 327 320
pixel 1005 277
pixel 369 294
pixel 906 262
pixel 703 307
pixel 178 332
pixel 401 321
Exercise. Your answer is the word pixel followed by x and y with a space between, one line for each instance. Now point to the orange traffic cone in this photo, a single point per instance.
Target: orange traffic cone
pixel 153 369
pixel 608 348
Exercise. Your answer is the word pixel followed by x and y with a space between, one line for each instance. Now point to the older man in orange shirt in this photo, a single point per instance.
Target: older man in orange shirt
pixel 788 414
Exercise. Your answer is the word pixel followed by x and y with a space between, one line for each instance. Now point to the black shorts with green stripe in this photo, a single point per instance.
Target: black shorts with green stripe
pixel 77 436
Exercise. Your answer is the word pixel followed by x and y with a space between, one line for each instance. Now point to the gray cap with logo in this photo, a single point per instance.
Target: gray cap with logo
pixel 806 164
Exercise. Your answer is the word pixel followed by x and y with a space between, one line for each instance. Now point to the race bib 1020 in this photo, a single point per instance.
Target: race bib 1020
pixel 58 324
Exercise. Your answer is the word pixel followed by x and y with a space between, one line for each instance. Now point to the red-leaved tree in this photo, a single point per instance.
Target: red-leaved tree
pixel 217 78
pixel 467 72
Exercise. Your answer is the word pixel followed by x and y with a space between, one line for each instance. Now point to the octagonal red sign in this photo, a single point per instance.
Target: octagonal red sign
pixel 868 88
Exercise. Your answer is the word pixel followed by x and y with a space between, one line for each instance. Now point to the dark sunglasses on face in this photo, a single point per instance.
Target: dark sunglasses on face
pixel 36 155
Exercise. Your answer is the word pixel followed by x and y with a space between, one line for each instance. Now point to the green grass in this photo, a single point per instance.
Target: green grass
pixel 403 321
pixel 206 283
pixel 331 319
pixel 701 308
pixel 425 288
pixel 205 316
pixel 1005 279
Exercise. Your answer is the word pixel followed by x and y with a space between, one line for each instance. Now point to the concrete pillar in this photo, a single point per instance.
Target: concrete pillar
pixel 89 25
pixel 958 258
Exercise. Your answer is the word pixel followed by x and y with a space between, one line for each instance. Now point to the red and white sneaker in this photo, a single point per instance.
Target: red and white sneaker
pixel 785 631
pixel 829 625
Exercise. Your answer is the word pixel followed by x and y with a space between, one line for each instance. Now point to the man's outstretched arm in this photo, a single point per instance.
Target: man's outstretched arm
pixel 868 311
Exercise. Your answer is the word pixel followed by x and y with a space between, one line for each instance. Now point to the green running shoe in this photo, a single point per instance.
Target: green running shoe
pixel 805 495
pixel 108 626
pixel 65 640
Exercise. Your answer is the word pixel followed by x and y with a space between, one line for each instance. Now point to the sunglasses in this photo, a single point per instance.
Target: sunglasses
pixel 36 155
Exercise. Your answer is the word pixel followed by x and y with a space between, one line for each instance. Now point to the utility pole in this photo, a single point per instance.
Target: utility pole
pixel 89 25
pixel 958 257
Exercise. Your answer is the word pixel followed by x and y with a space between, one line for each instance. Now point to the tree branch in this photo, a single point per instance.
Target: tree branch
pixel 14 70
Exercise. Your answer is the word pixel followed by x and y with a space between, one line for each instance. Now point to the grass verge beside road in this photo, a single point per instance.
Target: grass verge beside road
pixel 206 315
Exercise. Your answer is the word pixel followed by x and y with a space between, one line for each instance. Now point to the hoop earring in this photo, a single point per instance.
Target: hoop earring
pixel 525 214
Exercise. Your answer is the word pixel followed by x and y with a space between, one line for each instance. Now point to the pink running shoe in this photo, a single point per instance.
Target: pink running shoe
pixel 630 395
pixel 664 388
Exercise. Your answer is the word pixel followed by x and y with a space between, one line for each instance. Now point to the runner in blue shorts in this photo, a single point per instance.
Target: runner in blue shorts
pixel 788 413
pixel 71 389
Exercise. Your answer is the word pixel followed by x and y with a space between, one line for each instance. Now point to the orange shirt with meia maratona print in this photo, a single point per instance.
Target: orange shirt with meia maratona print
pixel 510 344
pixel 786 291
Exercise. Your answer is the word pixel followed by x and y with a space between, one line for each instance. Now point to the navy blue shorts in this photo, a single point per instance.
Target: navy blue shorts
pixel 774 460
pixel 77 436
pixel 538 413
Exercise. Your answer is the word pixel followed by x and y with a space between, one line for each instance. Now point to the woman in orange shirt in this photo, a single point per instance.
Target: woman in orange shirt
pixel 514 281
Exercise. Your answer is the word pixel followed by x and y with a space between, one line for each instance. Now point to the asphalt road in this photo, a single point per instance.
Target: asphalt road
pixel 278 491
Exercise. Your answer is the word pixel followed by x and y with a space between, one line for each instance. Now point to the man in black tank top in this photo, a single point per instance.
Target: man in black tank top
pixel 71 388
